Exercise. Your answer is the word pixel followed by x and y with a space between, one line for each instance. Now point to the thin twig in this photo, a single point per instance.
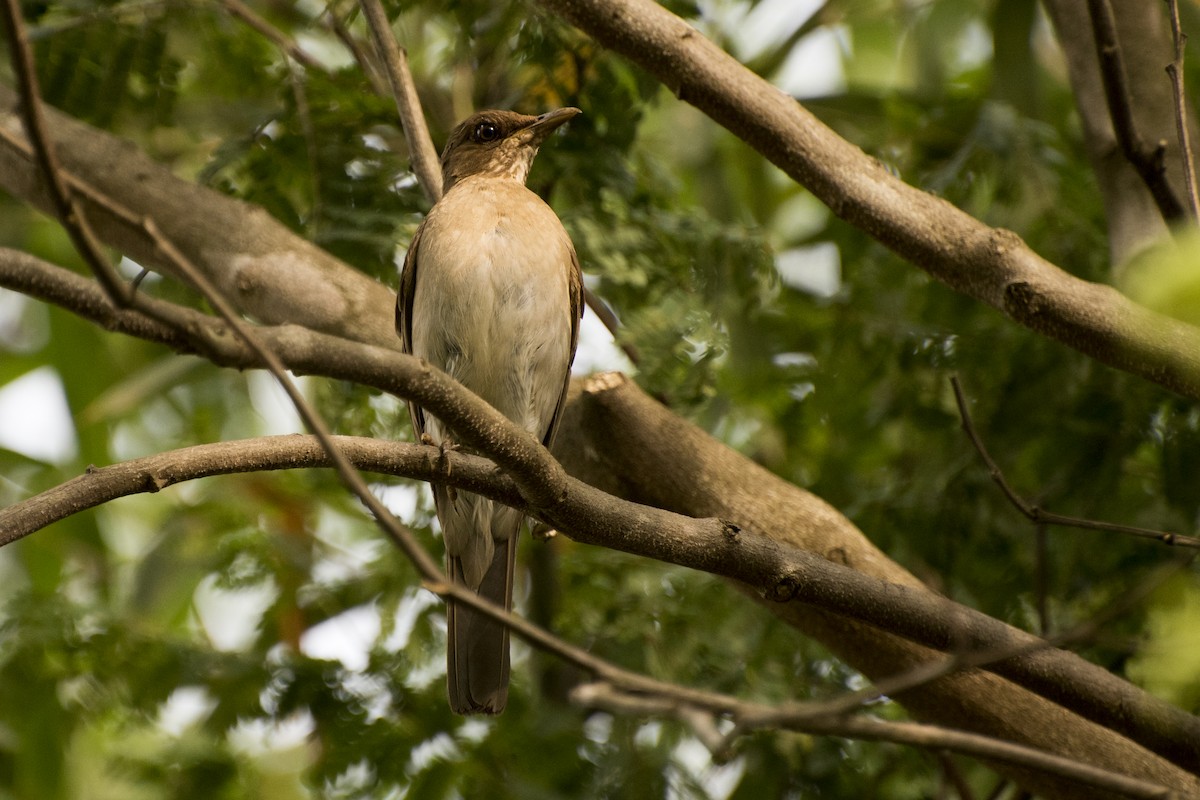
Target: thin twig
pixel 420 146
pixel 76 223
pixel 284 42
pixel 612 698
pixel 360 54
pixel 1175 70
pixel 1148 162
pixel 1041 516
pixel 399 533
pixel 65 207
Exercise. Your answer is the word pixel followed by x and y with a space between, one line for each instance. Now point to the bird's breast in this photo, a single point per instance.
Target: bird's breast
pixel 491 303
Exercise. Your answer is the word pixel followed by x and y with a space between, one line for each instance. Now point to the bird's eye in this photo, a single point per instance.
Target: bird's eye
pixel 486 132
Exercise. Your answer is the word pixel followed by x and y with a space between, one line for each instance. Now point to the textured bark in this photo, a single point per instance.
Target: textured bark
pixel 991 265
pixel 847 607
pixel 276 277
pixel 616 437
pixel 268 272
pixel 1134 221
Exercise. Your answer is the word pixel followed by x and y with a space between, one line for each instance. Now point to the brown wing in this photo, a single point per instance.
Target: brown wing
pixel 404 305
pixel 576 294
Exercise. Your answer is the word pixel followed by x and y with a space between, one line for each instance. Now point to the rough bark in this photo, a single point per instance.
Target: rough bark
pixel 991 265
pixel 617 438
pixel 1134 221
pixel 268 272
pixel 611 436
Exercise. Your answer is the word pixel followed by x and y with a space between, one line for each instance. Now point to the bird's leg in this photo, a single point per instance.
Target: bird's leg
pixel 445 446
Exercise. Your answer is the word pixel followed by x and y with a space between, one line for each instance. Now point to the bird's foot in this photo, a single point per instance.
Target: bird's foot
pixel 447 446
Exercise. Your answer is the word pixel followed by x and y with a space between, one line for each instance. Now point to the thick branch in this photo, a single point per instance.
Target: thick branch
pixel 1134 221
pixel 1148 161
pixel 424 158
pixel 994 266
pixel 617 437
pixel 268 272
pixel 154 473
pixel 591 516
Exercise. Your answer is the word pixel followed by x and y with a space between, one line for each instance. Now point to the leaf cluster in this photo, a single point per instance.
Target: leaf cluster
pixel 684 231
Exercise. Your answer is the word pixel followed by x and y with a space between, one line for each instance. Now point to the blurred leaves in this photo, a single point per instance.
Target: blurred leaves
pixel 1165 278
pixel 121 671
pixel 1169 662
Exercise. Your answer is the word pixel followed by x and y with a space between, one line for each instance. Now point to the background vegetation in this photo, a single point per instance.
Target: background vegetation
pixel 254 636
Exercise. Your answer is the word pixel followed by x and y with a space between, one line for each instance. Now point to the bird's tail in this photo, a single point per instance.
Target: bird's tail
pixel 476 646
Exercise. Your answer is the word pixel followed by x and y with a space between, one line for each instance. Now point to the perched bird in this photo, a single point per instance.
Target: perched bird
pixel 491 292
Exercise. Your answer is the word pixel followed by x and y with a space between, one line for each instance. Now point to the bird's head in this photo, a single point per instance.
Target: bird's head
pixel 498 143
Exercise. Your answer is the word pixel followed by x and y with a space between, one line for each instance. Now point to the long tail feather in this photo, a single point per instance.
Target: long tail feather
pixel 477 647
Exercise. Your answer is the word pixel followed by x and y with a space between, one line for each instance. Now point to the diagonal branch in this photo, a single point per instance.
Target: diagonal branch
pixel 619 687
pixel 1148 161
pixel 611 698
pixel 1040 516
pixel 65 207
pixel 420 147
pixel 1175 72
pixel 991 265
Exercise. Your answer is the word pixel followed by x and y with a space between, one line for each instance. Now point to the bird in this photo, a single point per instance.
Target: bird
pixel 490 292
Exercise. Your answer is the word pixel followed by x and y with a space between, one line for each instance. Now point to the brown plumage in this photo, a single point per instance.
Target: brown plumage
pixel 491 292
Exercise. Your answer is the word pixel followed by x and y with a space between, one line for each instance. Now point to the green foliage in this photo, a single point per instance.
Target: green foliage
pixel 119 674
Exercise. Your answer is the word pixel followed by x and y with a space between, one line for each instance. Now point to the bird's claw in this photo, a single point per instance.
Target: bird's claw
pixel 447 446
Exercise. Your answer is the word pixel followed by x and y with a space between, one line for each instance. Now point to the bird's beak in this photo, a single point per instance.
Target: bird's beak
pixel 537 132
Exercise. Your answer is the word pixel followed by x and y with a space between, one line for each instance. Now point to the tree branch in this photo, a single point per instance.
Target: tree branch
pixel 1040 516
pixel 1149 162
pixel 154 473
pixel 1175 71
pixel 63 202
pixel 991 265
pixel 609 698
pixel 778 572
pixel 425 161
